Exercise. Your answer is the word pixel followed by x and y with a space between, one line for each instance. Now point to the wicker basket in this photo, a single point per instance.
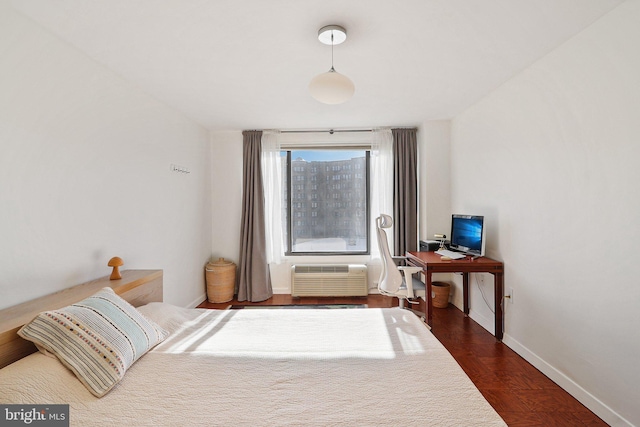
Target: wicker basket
pixel 221 280
pixel 440 294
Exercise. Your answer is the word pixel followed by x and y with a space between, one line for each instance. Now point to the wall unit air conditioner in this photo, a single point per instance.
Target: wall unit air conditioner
pixel 321 280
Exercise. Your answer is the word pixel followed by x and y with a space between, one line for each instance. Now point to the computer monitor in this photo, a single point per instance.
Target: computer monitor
pixel 468 234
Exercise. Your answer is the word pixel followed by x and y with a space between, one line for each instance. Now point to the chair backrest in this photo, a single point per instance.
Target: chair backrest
pixel 390 277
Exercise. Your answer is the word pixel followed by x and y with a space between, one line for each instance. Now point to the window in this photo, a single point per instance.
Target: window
pixel 339 226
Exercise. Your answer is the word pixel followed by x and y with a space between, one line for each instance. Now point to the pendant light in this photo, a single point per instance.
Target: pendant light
pixel 332 87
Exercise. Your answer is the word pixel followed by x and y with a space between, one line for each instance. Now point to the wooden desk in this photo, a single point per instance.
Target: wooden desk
pixel 431 263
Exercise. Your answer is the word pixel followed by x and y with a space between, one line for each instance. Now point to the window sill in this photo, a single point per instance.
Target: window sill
pixel 326 259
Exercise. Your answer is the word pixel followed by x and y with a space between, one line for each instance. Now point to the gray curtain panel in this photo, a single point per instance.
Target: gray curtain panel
pixel 405 190
pixel 254 281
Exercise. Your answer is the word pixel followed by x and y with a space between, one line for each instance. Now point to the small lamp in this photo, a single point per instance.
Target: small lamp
pixel 116 263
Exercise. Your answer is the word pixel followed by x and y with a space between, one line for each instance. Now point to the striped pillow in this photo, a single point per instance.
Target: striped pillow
pixel 98 338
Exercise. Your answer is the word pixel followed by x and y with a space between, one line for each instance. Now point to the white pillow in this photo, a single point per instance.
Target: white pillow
pixel 98 338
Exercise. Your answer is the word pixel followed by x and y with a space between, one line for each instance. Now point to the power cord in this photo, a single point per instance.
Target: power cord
pixel 483 295
pixel 485 298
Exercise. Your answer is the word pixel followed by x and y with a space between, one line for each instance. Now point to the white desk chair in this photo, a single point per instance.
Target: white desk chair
pixel 397 281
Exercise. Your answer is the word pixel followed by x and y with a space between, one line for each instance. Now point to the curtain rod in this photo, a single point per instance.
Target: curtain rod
pixel 330 131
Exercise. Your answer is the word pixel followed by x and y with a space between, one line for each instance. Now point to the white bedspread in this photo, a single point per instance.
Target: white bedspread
pixel 271 367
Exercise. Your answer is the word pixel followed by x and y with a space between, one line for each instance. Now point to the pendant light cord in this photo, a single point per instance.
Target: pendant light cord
pixel 332 69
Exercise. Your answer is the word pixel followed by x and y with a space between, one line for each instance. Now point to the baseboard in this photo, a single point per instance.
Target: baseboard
pixel 485 322
pixel 282 290
pixel 197 301
pixel 583 396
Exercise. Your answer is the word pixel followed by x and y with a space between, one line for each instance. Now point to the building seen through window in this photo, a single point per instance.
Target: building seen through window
pixel 325 201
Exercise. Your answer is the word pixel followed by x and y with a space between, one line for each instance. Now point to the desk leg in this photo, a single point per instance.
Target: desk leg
pixel 465 293
pixel 429 301
pixel 498 292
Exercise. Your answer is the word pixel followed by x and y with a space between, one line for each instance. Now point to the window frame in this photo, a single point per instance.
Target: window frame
pixel 289 202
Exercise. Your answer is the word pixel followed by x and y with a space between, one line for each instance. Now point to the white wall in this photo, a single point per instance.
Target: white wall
pixel 434 188
pixel 551 158
pixel 434 152
pixel 84 174
pixel 226 194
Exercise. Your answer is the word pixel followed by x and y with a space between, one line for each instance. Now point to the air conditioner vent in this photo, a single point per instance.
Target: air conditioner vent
pixel 302 269
pixel 323 280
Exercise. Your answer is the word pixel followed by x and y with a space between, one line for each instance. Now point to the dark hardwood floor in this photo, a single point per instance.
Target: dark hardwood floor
pixel 521 394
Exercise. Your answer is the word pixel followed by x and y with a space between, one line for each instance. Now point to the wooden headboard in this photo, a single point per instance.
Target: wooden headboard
pixel 138 287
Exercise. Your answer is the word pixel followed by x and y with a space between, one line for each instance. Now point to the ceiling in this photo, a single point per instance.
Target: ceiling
pixel 246 64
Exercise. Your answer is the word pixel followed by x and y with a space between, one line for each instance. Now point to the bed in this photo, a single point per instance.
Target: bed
pixel 271 367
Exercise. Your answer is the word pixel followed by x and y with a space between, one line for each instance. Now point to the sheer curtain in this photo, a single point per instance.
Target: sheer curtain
pixel 380 142
pixel 381 182
pixel 272 180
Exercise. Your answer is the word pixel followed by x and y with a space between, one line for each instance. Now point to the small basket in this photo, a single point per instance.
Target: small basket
pixel 221 280
pixel 440 294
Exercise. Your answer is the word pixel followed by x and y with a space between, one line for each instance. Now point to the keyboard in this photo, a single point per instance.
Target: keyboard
pixel 450 254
